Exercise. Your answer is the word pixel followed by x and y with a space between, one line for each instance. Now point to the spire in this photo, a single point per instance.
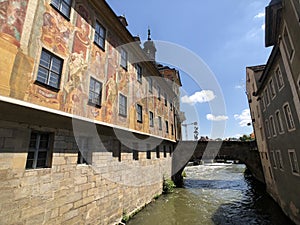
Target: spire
pixel 149 47
pixel 149 34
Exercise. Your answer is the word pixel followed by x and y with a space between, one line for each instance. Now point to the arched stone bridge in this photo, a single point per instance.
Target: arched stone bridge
pixel 191 151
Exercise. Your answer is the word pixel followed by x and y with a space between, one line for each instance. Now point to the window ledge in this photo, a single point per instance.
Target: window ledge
pixel 94 105
pixel 102 48
pixel 54 89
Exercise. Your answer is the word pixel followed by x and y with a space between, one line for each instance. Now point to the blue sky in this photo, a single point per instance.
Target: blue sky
pixel 226 35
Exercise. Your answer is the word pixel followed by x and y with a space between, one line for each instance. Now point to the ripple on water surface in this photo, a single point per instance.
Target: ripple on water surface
pixel 214 194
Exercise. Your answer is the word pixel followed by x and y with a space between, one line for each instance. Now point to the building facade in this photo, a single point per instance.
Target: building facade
pixel 275 106
pixel 85 114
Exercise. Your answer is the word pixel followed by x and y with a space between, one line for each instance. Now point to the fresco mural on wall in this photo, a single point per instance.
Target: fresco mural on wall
pixel 76 87
pixel 111 89
pixel 12 16
pixel 56 31
pixel 83 59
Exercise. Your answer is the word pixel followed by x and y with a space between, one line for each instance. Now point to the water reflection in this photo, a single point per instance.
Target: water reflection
pixel 214 194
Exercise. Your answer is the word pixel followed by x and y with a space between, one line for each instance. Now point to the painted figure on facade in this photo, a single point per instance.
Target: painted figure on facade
pixel 12 16
pixel 56 32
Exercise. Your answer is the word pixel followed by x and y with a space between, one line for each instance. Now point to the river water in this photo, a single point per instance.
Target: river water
pixel 214 194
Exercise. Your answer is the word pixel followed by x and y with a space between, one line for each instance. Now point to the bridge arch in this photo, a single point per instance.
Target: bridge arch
pixel 190 151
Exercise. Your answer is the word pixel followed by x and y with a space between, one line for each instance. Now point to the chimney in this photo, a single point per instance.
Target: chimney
pixel 123 21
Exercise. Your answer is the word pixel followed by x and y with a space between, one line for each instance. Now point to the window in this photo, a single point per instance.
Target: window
pixel 293 161
pixel 167 127
pixel 288 44
pixel 158 93
pixel 151 118
pixel 272 88
pixel 279 159
pixel 263 102
pixel 50 69
pixel 279 121
pixel 171 106
pixel 124 58
pixel 139 110
pixel 165 152
pixel 148 151
pixel 272 124
pixel 279 78
pixel 157 152
pixel 273 160
pixel 122 105
pixel 166 99
pixel 100 34
pixel 81 159
pixel 39 154
pixel 82 150
pixel 170 150
pixel 172 129
pixel 150 84
pixel 63 6
pixel 159 123
pixel 267 129
pixel 135 155
pixel 139 73
pixel 267 98
pixel 95 93
pixel 288 117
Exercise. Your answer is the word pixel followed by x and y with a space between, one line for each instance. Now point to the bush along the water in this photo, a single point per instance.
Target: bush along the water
pixel 168 186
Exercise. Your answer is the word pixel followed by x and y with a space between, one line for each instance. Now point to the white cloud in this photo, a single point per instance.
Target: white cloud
pixel 244 118
pixel 199 97
pixel 240 86
pixel 216 118
pixel 263 27
pixel 259 15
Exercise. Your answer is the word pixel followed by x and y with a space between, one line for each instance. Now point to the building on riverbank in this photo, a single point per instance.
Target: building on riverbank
pixel 88 122
pixel 273 94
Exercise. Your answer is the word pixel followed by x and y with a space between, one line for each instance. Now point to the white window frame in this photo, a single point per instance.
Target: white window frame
pixel 296 171
pixel 279 121
pixel 267 95
pixel 279 77
pixel 150 84
pixel 272 126
pixel 158 93
pixel 47 74
pixel 124 58
pixel 139 73
pixel 167 126
pixel 139 113
pixel 36 149
pixel 272 88
pixel 151 119
pixel 263 102
pixel 280 161
pixel 126 105
pixel 273 158
pixel 58 5
pixel 268 132
pixel 159 123
pixel 289 117
pixel 291 55
pixel 93 94
pixel 100 35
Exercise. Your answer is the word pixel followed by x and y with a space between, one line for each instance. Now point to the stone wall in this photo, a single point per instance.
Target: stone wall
pixel 69 193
